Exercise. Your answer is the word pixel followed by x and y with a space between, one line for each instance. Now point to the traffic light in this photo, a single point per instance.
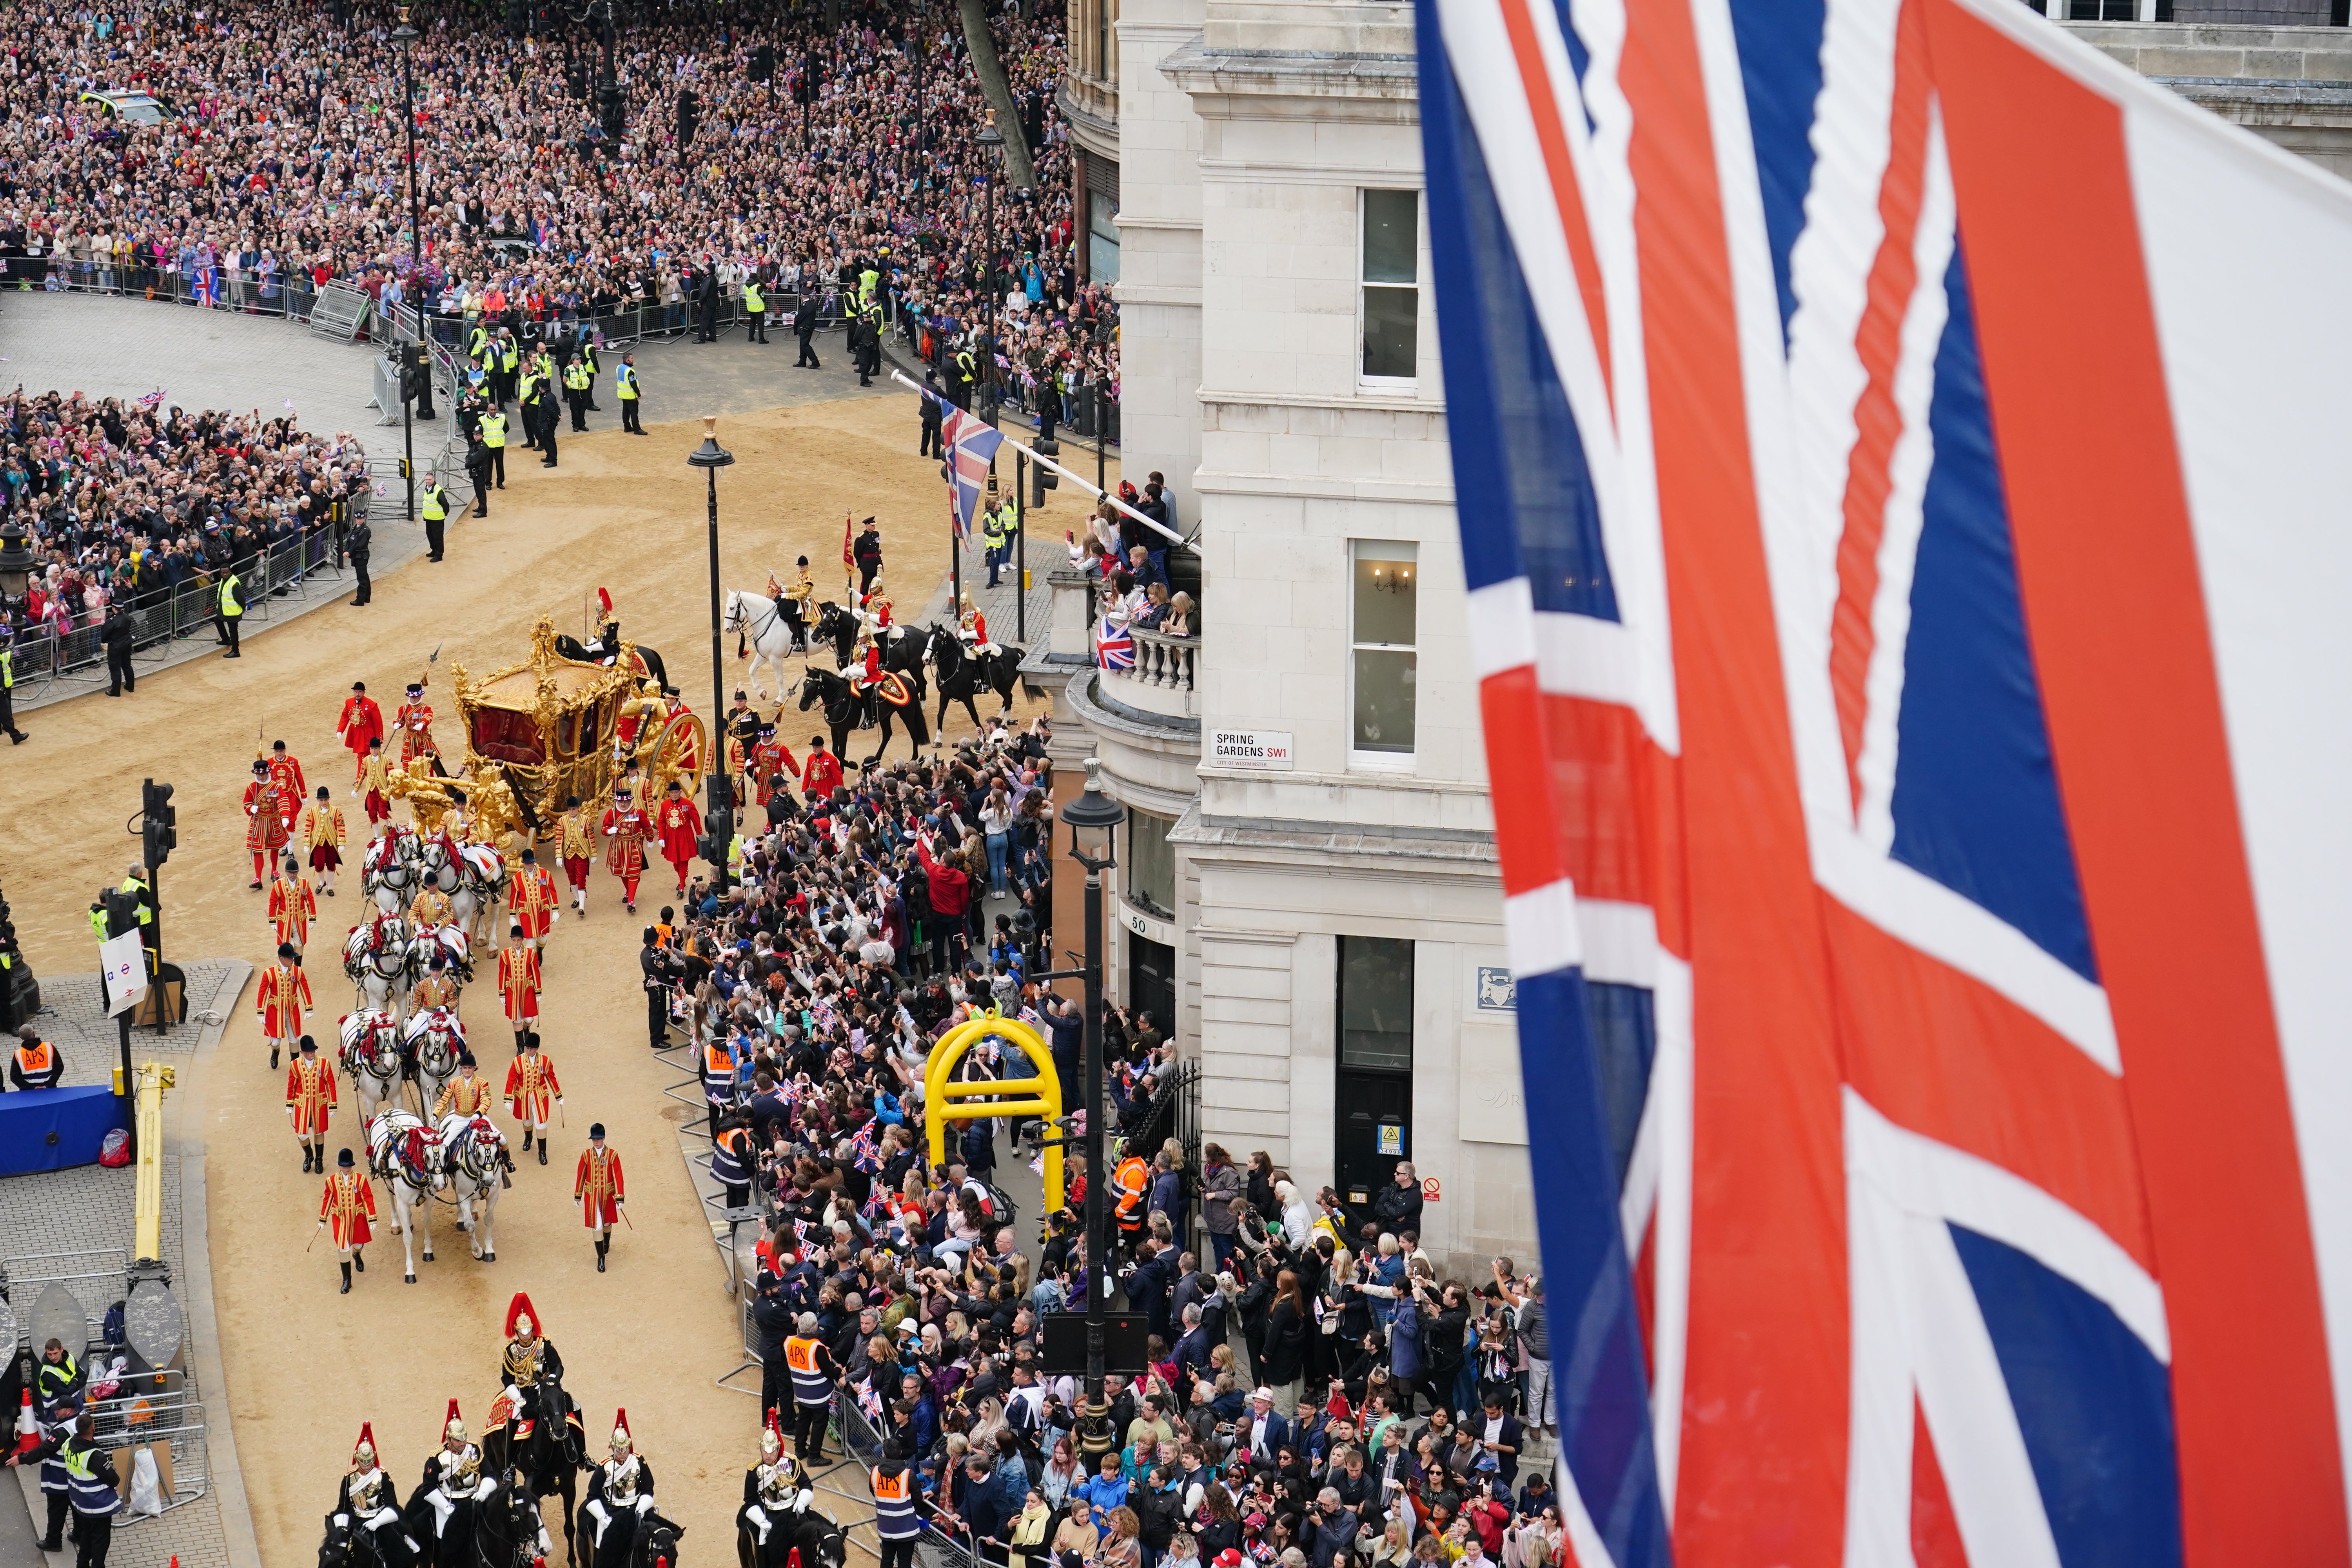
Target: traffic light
pixel 159 834
pixel 122 911
pixel 517 17
pixel 610 112
pixel 690 114
pixel 575 81
pixel 764 62
pixel 1047 479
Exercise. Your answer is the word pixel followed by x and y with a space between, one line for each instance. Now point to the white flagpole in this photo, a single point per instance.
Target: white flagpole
pixel 1084 484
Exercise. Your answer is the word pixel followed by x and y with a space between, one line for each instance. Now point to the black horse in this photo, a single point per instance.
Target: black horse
pixel 346 1547
pixel 964 675
pixel 652 1542
pixel 606 649
pixel 821 1542
pixel 507 1528
pixel 845 711
pixel 837 625
pixel 549 1460
pixel 656 1543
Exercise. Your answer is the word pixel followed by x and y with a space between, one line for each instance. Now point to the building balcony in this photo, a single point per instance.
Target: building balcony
pixel 1163 681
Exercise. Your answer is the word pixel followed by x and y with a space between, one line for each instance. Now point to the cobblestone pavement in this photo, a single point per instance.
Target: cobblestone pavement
pixel 92 1208
pixel 75 1021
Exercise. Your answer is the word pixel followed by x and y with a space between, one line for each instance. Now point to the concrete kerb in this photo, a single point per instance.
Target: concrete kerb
pixel 196 1286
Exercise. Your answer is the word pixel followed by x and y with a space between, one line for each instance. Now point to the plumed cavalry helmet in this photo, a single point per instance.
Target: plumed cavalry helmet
pixel 522 1317
pixel 771 1441
pixel 621 1443
pixel 455 1426
pixel 364 1451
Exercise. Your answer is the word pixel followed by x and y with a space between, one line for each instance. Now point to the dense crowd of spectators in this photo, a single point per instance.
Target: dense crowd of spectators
pixel 280 165
pixel 123 501
pixel 1291 1339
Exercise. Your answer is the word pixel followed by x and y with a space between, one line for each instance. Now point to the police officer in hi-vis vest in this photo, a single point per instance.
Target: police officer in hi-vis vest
pixel 433 505
pixel 755 312
pixel 8 685
pixel 632 393
pixel 494 437
pixel 229 610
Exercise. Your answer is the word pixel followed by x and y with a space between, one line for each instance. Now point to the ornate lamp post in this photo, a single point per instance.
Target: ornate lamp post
pixel 1094 819
pixel 710 456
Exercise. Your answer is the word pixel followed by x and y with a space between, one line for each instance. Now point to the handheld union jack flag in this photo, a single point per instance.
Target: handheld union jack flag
pixel 1114 644
pixel 1913 685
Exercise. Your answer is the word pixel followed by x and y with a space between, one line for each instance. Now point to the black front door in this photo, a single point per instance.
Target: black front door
pixel 1373 1093
pixel 1375 1132
pixel 1151 981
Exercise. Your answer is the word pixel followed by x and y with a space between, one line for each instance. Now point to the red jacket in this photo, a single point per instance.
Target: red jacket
pixel 950 888
pixel 821 775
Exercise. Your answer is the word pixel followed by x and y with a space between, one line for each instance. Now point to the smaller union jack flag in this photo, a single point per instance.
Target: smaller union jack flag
pixel 1114 647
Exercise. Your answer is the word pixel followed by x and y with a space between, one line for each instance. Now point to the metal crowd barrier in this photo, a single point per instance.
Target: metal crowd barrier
pixel 297 570
pixel 98 1271
pixel 163 1409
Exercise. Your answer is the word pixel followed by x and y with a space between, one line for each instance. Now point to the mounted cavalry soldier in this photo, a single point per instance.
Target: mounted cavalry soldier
pixel 793 602
pixel 620 1500
pixel 441 1511
pixel 971 630
pixel 363 1505
pixel 776 1493
pixel 527 1356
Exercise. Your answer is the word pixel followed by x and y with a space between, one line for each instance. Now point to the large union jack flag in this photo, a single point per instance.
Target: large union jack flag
pixel 1902 487
pixel 971 444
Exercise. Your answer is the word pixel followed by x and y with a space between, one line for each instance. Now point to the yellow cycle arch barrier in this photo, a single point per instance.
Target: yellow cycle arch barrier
pixel 944 1101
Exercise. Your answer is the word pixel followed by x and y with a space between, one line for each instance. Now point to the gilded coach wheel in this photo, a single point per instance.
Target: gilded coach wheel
pixel 675 752
pixel 939 1095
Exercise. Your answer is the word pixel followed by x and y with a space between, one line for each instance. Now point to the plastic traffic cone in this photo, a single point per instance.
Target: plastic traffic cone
pixel 29 1434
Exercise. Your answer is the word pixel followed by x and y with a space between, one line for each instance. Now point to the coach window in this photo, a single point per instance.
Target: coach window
pixel 1382 630
pixel 1390 283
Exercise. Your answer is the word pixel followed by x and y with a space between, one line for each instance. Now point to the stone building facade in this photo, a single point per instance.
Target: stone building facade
pixel 1307 883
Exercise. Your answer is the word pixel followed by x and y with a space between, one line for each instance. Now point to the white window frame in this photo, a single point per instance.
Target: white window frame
pixel 1403 762
pixel 1389 384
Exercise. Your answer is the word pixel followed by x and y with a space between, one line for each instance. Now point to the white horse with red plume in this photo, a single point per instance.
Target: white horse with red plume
pixel 372 1058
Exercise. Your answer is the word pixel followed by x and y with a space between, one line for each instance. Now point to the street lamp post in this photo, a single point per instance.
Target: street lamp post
pixel 17 560
pixel 710 456
pixel 1094 819
pixel 405 37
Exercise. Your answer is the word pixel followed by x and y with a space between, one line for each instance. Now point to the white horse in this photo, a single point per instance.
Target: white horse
pixel 474 876
pixel 402 1155
pixel 372 1059
pixel 431 1041
pixel 451 942
pixel 388 869
pixel 481 883
pixel 754 618
pixel 377 956
pixel 473 1160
